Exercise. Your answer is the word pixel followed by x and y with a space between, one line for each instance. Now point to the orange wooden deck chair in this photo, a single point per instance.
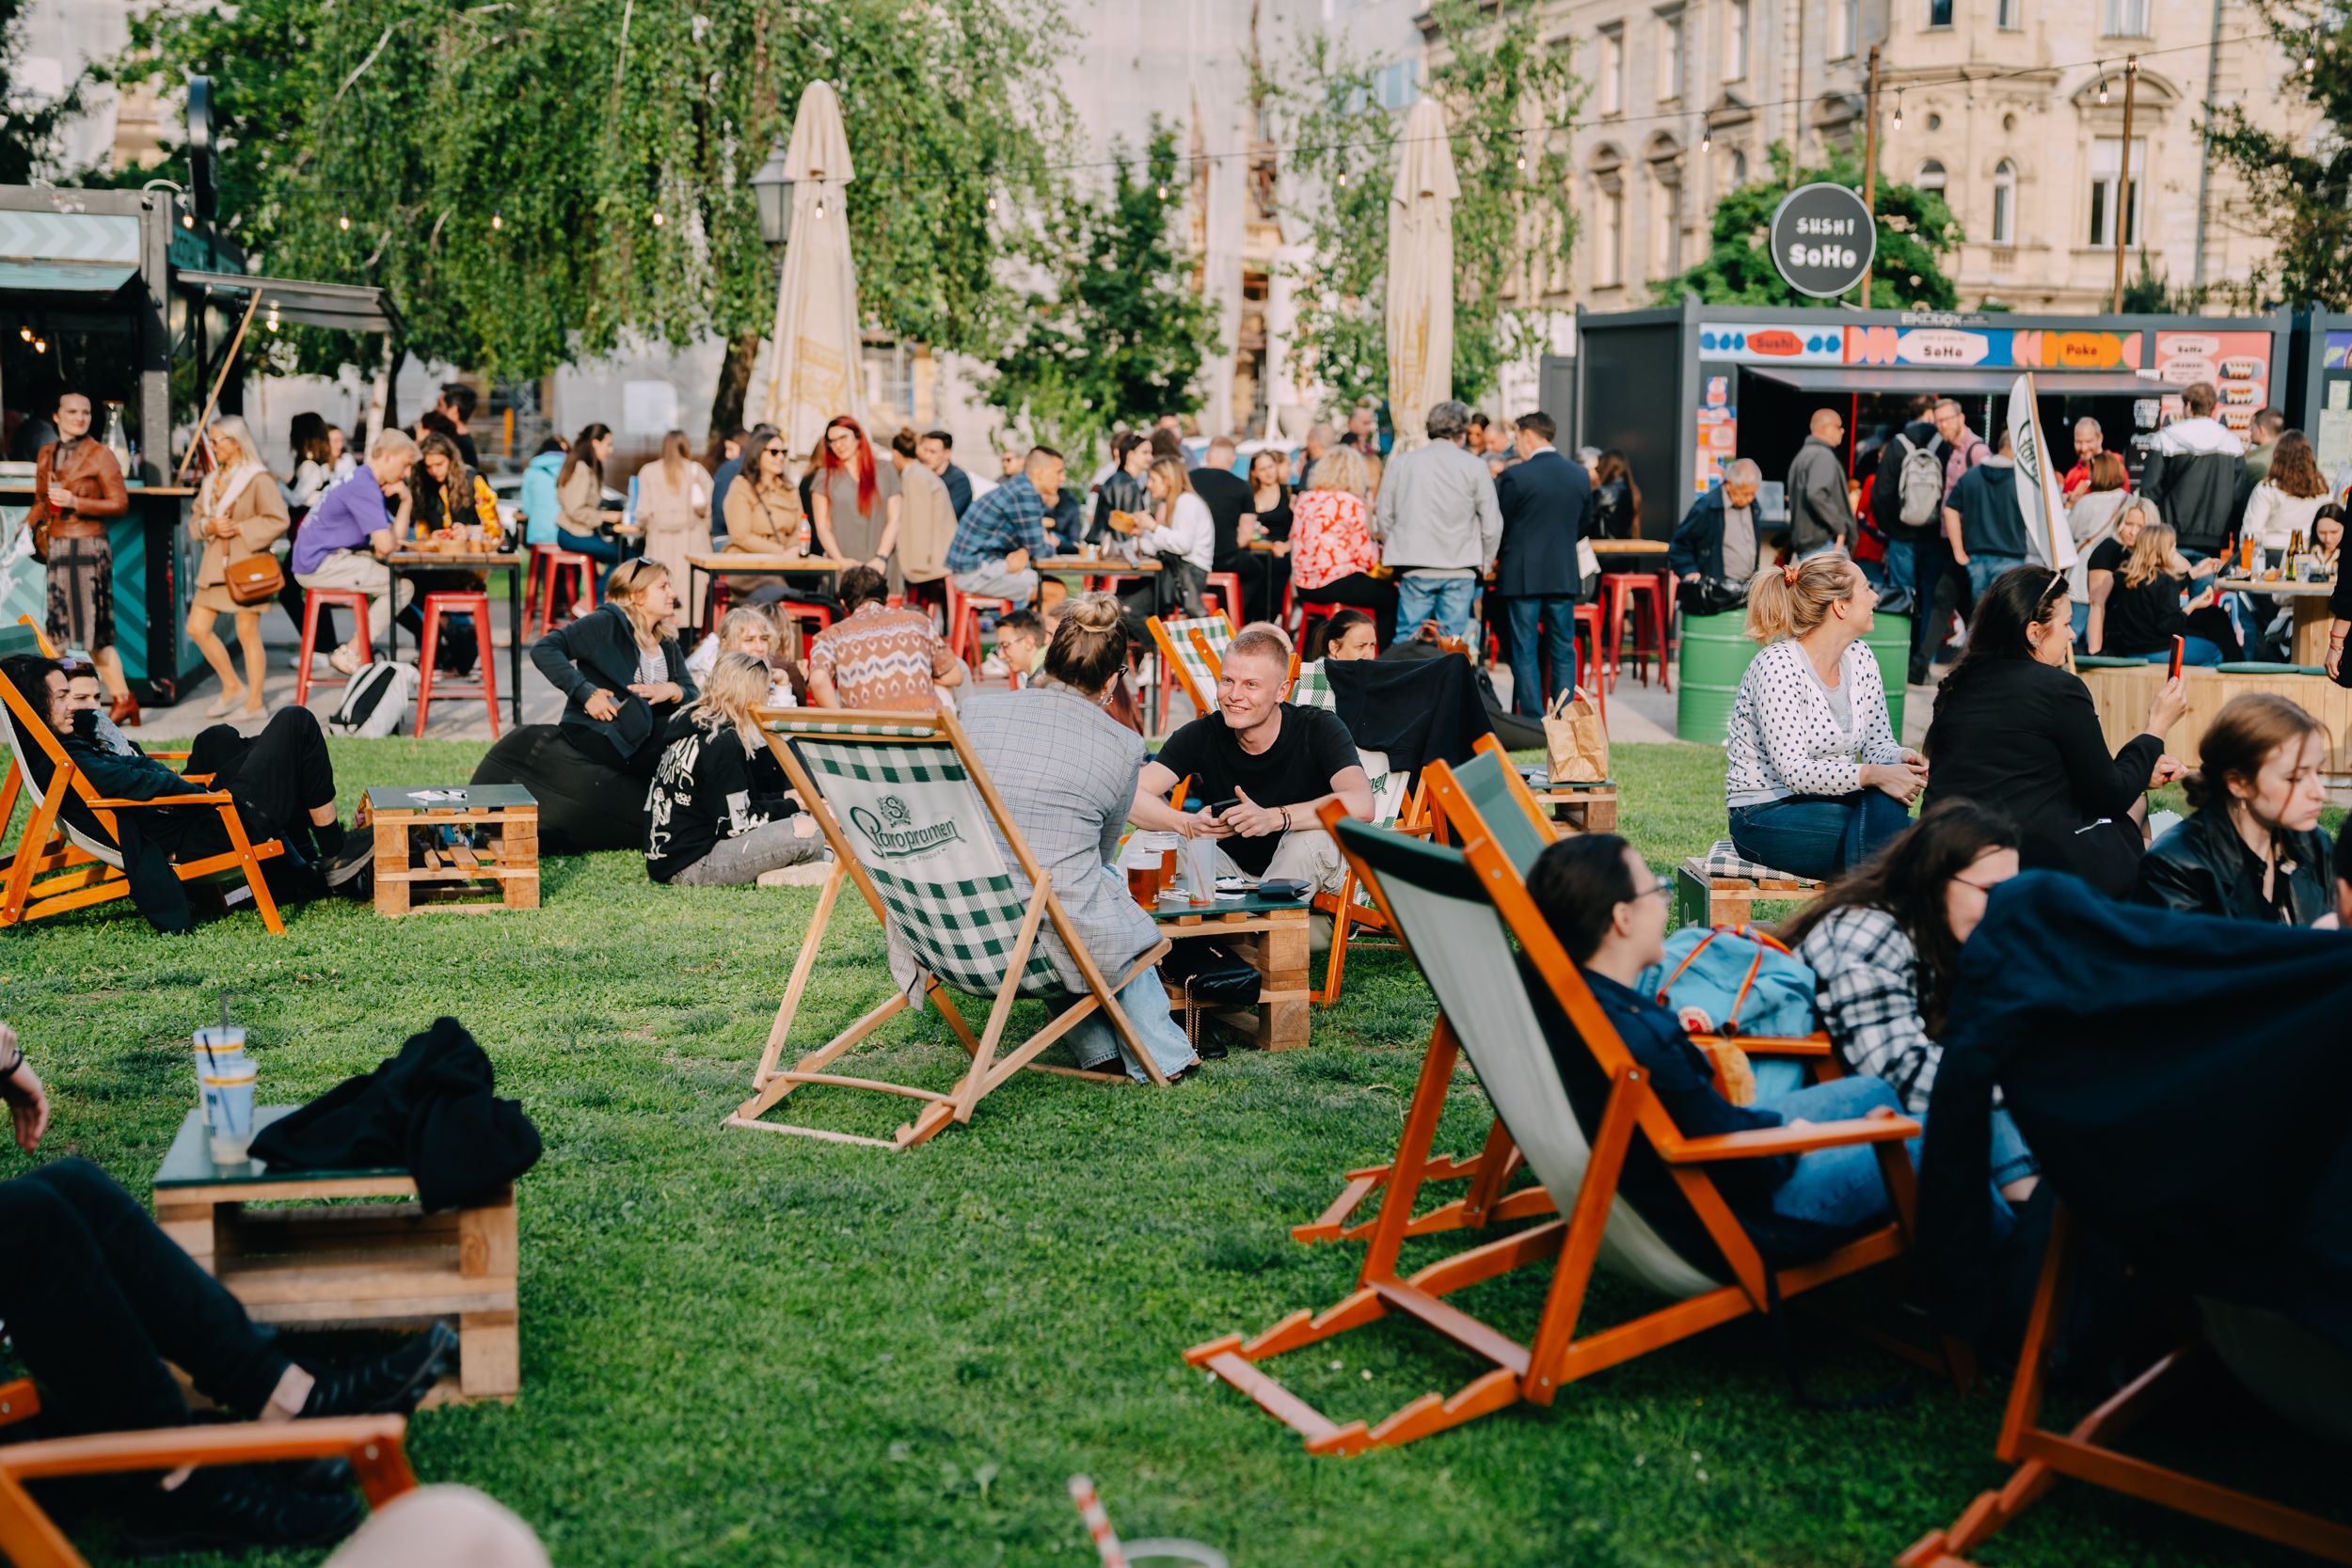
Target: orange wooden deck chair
pixel 373 1445
pixel 923 857
pixel 1191 652
pixel 54 865
pixel 1459 912
pixel 2085 1451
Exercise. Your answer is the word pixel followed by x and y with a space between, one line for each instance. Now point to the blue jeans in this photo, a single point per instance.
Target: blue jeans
pixel 1983 568
pixel 2082 621
pixel 1556 620
pixel 1899 567
pixel 605 552
pixel 1444 600
pixel 2194 651
pixel 1843 1188
pixel 1930 558
pixel 1095 1044
pixel 1817 835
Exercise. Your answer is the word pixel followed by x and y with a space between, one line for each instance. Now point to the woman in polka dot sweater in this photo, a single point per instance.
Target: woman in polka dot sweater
pixel 1816 780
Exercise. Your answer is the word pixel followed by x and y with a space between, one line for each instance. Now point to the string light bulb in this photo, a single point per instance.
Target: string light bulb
pixel 343 221
pixel 41 345
pixel 658 221
pixel 25 333
pixel 1706 136
pixel 187 220
pixel 992 202
pixel 1522 160
pixel 1898 111
pixel 2310 59
pixel 497 221
pixel 2103 84
pixel 820 209
pixel 1342 178
pixel 1163 190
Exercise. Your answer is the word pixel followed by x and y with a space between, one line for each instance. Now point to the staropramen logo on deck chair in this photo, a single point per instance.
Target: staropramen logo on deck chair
pixel 892 832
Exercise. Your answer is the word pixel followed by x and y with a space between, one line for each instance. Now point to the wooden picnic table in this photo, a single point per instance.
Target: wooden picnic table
pixel 1629 546
pixel 727 563
pixel 2312 615
pixel 406 561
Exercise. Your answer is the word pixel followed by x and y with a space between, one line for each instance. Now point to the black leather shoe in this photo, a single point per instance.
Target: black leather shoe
pixel 237 1506
pixel 388 1384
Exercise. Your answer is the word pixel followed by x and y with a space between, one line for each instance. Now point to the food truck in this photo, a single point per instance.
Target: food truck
pixel 1683 390
pixel 132 298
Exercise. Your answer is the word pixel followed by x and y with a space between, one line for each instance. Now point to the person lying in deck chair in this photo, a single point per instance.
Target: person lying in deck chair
pixel 281 780
pixel 1609 910
pixel 97 1298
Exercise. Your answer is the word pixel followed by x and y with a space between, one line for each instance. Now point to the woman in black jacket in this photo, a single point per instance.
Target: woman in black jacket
pixel 2015 730
pixel 2253 849
pixel 1123 490
pixel 623 675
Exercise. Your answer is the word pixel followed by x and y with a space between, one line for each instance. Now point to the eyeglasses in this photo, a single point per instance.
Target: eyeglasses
pixel 1661 889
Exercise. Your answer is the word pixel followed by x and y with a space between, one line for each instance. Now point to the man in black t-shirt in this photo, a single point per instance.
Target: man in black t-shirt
pixel 1275 761
pixel 1232 505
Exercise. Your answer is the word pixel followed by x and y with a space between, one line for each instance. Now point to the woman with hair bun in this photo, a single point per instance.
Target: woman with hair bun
pixel 2252 848
pixel 1815 779
pixel 2015 728
pixel 1067 772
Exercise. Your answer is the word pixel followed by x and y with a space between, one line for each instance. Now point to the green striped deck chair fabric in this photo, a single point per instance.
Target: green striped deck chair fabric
pixel 1313 688
pixel 922 831
pixel 1175 640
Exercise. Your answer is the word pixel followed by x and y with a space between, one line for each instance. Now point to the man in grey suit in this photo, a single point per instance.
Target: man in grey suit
pixel 1544 499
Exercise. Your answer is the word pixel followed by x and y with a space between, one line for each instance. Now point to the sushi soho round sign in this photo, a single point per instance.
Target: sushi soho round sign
pixel 1823 240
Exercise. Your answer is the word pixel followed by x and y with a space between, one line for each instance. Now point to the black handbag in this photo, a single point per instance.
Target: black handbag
pixel 1214 980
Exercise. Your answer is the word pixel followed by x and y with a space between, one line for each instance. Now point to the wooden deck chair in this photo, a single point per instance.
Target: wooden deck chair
pixel 374 1445
pixel 1486 797
pixel 1397 803
pixel 57 866
pixel 1458 913
pixel 917 808
pixel 1191 651
pixel 2085 1451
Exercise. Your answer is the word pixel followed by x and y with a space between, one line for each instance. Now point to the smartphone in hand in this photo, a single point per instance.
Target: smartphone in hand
pixel 2178 646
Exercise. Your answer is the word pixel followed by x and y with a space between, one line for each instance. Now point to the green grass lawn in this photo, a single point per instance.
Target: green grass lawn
pixel 740 1348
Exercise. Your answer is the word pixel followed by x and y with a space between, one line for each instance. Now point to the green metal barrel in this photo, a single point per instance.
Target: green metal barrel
pixel 1715 654
pixel 1890 640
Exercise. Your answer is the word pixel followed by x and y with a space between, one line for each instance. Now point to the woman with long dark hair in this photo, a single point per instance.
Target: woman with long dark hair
pixel 1616 500
pixel 2014 729
pixel 2284 503
pixel 1124 489
pixel 855 503
pixel 2252 848
pixel 580 492
pixel 1883 943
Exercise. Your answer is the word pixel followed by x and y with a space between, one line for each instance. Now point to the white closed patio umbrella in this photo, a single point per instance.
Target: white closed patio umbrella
pixel 1421 274
pixel 813 365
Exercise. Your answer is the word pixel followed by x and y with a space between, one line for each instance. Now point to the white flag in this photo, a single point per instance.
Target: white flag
pixel 2049 542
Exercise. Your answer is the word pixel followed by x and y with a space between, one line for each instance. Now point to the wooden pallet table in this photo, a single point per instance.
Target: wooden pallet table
pixel 492 864
pixel 1586 808
pixel 324 1264
pixel 1272 939
pixel 1730 901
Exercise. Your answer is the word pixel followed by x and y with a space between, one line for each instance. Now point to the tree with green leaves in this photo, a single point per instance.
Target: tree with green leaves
pixel 1120 334
pixel 2298 184
pixel 1916 231
pixel 1508 96
pixel 28 132
pixel 534 181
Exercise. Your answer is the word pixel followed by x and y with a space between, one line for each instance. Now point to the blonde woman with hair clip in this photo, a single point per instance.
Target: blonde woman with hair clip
pixel 746 629
pixel 239 513
pixel 1070 777
pixel 716 814
pixel 1815 779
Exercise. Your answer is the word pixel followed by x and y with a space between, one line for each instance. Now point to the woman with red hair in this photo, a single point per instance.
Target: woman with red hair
pixel 855 503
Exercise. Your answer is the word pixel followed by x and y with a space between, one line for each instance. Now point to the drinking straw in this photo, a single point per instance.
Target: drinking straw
pixel 1098 1523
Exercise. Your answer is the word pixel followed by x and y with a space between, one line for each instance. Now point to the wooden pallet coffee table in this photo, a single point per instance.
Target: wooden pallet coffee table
pixel 328 1264
pixel 1587 808
pixel 415 869
pixel 1272 937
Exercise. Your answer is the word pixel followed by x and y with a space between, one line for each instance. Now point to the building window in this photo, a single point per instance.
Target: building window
pixel 1736 167
pixel 1939 13
pixel 1393 86
pixel 1613 71
pixel 2005 203
pixel 1845 27
pixel 2125 19
pixel 1735 40
pixel 1931 177
pixel 2008 14
pixel 1669 55
pixel 2107 169
pixel 1608 228
pixel 1665 210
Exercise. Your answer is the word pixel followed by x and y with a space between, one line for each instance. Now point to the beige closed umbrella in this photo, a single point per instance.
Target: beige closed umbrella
pixel 1421 274
pixel 812 366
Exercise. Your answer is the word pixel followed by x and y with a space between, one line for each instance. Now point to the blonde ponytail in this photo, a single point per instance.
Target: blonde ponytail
pixel 1789 599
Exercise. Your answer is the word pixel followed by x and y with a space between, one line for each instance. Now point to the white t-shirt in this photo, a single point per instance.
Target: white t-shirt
pixel 1191 533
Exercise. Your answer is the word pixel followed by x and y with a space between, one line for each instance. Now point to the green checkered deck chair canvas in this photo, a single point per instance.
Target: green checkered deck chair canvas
pixel 1195 670
pixel 904 806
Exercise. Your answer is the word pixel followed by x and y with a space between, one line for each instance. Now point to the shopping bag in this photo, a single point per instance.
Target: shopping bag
pixel 1576 742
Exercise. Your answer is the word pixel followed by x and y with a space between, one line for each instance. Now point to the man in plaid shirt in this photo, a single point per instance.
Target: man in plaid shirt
pixel 999 540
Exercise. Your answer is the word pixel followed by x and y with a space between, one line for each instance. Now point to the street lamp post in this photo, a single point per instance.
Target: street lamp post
pixel 772 188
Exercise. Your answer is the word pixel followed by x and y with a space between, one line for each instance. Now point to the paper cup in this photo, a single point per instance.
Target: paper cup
pixel 229 1114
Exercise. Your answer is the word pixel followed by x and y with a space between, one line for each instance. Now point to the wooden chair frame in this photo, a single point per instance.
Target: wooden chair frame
pixel 1353 919
pixel 48 874
pixel 374 1445
pixel 987 1070
pixel 1557 1356
pixel 2083 1453
pixel 1203 702
pixel 1452 816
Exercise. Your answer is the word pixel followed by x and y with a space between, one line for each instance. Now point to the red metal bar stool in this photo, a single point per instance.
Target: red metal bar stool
pixel 963 622
pixel 1623 588
pixel 1588 657
pixel 820 616
pixel 478 606
pixel 1224 592
pixel 1309 612
pixel 312 598
pixel 539 588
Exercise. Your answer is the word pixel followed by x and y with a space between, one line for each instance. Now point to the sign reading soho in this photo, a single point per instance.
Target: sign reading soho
pixel 1823 240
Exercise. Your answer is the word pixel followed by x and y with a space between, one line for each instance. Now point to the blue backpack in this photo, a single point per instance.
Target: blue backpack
pixel 1741 979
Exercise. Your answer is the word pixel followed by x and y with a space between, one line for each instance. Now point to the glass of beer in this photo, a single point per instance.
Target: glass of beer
pixel 1143 882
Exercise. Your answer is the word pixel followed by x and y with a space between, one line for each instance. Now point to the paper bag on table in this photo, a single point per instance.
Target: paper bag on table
pixel 1576 742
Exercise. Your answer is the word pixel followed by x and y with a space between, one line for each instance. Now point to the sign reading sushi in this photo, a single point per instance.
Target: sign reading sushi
pixel 1823 241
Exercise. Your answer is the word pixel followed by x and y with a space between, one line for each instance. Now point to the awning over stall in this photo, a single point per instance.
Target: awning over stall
pixel 350 307
pixel 67 252
pixel 1959 380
